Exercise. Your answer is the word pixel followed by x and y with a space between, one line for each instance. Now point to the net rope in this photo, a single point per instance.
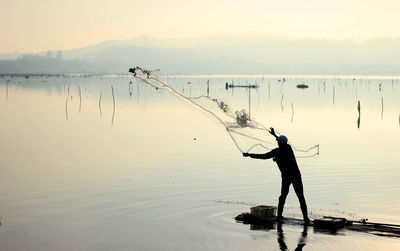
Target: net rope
pixel 237 124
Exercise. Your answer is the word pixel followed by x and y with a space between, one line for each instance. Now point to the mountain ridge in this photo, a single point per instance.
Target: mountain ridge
pixel 223 54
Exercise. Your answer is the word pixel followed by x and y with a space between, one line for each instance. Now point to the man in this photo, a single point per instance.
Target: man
pixel 290 173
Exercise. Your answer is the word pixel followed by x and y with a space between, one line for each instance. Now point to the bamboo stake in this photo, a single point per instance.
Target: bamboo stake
pixel 291 120
pixel 100 105
pixel 66 107
pixel 80 99
pixel 113 114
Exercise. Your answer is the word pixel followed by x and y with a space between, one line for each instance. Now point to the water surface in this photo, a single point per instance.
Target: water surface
pixel 147 171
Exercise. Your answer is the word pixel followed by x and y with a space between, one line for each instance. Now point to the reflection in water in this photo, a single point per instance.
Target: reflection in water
pixel 359 114
pixel 100 104
pixel 356 90
pixel 281 238
pixel 268 225
pixel 382 108
pixel 333 95
pixel 80 99
pixel 269 90
pixel 66 108
pixel 291 120
pixel 208 88
pixel 34 176
pixel 6 91
pixel 137 87
pixel 113 113
pixel 249 102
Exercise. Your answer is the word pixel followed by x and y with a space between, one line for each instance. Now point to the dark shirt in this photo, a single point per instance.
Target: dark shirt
pixel 284 158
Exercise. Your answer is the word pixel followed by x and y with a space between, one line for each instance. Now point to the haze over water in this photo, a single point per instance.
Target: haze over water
pixel 154 172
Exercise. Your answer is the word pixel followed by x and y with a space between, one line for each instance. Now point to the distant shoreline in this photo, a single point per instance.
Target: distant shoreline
pixel 205 75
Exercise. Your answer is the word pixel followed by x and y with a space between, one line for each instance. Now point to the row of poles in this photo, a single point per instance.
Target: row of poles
pixel 68 97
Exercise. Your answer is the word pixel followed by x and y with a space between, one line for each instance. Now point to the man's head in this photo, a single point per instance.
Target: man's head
pixel 282 140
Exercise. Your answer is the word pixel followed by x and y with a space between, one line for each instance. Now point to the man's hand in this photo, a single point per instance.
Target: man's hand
pixel 272 131
pixel 246 154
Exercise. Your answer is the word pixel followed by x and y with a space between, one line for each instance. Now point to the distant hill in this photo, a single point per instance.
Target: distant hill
pixel 220 54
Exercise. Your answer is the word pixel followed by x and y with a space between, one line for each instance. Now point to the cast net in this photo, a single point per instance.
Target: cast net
pixel 247 134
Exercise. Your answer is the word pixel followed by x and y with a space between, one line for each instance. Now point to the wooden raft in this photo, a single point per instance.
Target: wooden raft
pixel 266 216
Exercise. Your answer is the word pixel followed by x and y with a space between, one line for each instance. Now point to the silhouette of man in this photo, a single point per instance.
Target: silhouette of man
pixel 290 173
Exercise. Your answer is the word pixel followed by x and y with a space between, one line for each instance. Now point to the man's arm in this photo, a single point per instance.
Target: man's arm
pixel 267 155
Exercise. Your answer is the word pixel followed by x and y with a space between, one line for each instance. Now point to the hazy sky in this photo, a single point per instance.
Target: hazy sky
pixel 40 25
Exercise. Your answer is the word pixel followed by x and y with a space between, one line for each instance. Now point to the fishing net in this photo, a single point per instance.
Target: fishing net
pixel 247 134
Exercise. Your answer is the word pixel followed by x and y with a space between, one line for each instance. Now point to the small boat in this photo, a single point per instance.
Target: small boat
pixel 302 86
pixel 240 86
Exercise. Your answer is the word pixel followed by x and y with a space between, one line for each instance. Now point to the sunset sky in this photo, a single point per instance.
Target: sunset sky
pixel 40 25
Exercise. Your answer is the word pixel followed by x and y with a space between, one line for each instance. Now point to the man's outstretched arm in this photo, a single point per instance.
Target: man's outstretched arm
pixel 267 155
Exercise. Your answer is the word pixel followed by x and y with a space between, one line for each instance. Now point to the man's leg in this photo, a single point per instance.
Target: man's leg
pixel 298 188
pixel 282 198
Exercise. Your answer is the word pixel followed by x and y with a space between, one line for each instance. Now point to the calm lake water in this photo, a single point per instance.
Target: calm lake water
pixel 152 172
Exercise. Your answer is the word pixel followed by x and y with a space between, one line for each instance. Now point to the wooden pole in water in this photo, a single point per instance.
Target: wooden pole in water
pixel 291 121
pixel 208 88
pixel 80 99
pixel 130 89
pixel 249 102
pixel 356 90
pixel 333 95
pixel 137 87
pixel 100 105
pixel 359 114
pixel 382 108
pixel 112 119
pixel 66 107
